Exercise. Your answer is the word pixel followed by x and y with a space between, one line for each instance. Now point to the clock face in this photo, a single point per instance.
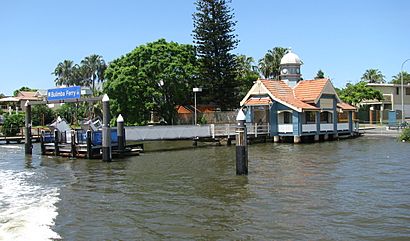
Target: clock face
pixel 284 71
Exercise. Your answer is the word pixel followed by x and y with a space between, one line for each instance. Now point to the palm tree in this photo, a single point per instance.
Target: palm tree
pixel 397 78
pixel 92 68
pixel 64 73
pixel 269 65
pixel 373 76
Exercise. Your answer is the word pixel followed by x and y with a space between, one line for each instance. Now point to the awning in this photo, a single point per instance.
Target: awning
pixel 258 101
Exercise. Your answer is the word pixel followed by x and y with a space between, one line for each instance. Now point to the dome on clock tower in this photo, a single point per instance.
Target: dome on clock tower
pixel 290 58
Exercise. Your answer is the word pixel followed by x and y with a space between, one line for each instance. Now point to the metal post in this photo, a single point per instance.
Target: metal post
pixel 28 147
pixel 120 134
pixel 106 130
pixel 241 145
pixel 402 92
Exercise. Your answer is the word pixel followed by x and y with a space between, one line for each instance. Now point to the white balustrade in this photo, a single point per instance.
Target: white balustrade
pixel 285 128
pixel 326 127
pixel 342 126
pixel 309 128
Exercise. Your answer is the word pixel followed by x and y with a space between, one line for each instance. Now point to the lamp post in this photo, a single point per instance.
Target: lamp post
pixel 402 91
pixel 195 90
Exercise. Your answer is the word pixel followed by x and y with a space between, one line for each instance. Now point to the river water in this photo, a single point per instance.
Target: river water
pixel 356 189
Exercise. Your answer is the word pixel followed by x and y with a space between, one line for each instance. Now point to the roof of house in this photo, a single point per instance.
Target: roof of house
pixel 310 90
pixel 258 101
pixel 345 106
pixel 303 96
pixel 284 93
pixel 27 95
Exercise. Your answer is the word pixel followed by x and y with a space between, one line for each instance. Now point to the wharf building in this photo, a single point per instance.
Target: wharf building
pixel 298 109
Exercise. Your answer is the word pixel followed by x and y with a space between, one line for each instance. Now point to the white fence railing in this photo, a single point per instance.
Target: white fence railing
pixel 342 126
pixel 285 128
pixel 326 127
pixel 309 128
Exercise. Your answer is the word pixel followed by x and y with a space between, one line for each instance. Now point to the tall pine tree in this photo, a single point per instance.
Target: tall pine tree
pixel 214 38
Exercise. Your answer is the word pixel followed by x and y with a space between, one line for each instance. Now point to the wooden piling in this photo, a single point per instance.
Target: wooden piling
pixel 120 134
pixel 241 145
pixel 106 130
pixel 28 147
pixel 43 146
pixel 89 146
pixel 56 143
pixel 73 147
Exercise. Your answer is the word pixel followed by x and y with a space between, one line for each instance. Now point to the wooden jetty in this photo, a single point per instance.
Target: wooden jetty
pixel 82 144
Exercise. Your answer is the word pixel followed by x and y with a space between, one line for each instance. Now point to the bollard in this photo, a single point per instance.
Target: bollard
pixel 106 130
pixel 241 145
pixel 28 147
pixel 89 147
pixel 56 140
pixel 120 134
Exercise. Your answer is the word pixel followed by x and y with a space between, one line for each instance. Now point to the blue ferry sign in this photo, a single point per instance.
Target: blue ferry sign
pixel 73 92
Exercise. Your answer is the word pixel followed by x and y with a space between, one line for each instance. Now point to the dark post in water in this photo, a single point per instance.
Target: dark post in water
pixel 106 130
pixel 120 134
pixel 89 146
pixel 28 147
pixel 241 145
pixel 56 142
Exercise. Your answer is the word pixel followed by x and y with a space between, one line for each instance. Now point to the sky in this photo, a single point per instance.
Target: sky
pixel 341 37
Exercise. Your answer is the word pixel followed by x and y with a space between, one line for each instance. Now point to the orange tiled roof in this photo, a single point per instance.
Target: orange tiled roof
pixel 27 95
pixel 309 90
pixel 259 101
pixel 345 106
pixel 283 92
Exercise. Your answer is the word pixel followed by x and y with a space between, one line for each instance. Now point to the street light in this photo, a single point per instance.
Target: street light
pixel 402 91
pixel 195 90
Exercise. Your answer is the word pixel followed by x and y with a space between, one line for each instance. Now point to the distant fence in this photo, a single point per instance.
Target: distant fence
pixel 218 117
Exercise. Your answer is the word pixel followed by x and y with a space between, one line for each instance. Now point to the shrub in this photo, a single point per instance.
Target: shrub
pixel 405 135
pixel 13 123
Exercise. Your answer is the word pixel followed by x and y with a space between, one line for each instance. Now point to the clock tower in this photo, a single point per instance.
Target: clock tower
pixel 290 68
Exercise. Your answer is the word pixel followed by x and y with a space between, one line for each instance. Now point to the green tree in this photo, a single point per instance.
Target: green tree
pixel 74 112
pixel 373 76
pixel 2 95
pixel 24 88
pixel 269 65
pixel 214 38
pixel 92 70
pixel 397 78
pixel 246 73
pixel 156 77
pixel 66 73
pixel 12 123
pixel 42 115
pixel 356 93
pixel 320 74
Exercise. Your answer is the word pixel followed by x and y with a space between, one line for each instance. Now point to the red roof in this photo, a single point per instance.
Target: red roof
pixel 284 93
pixel 259 101
pixel 310 90
pixel 345 106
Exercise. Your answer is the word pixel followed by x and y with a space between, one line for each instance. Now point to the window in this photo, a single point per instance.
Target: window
pixel 407 91
pixel 287 117
pixel 326 117
pixel 397 91
pixel 310 117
